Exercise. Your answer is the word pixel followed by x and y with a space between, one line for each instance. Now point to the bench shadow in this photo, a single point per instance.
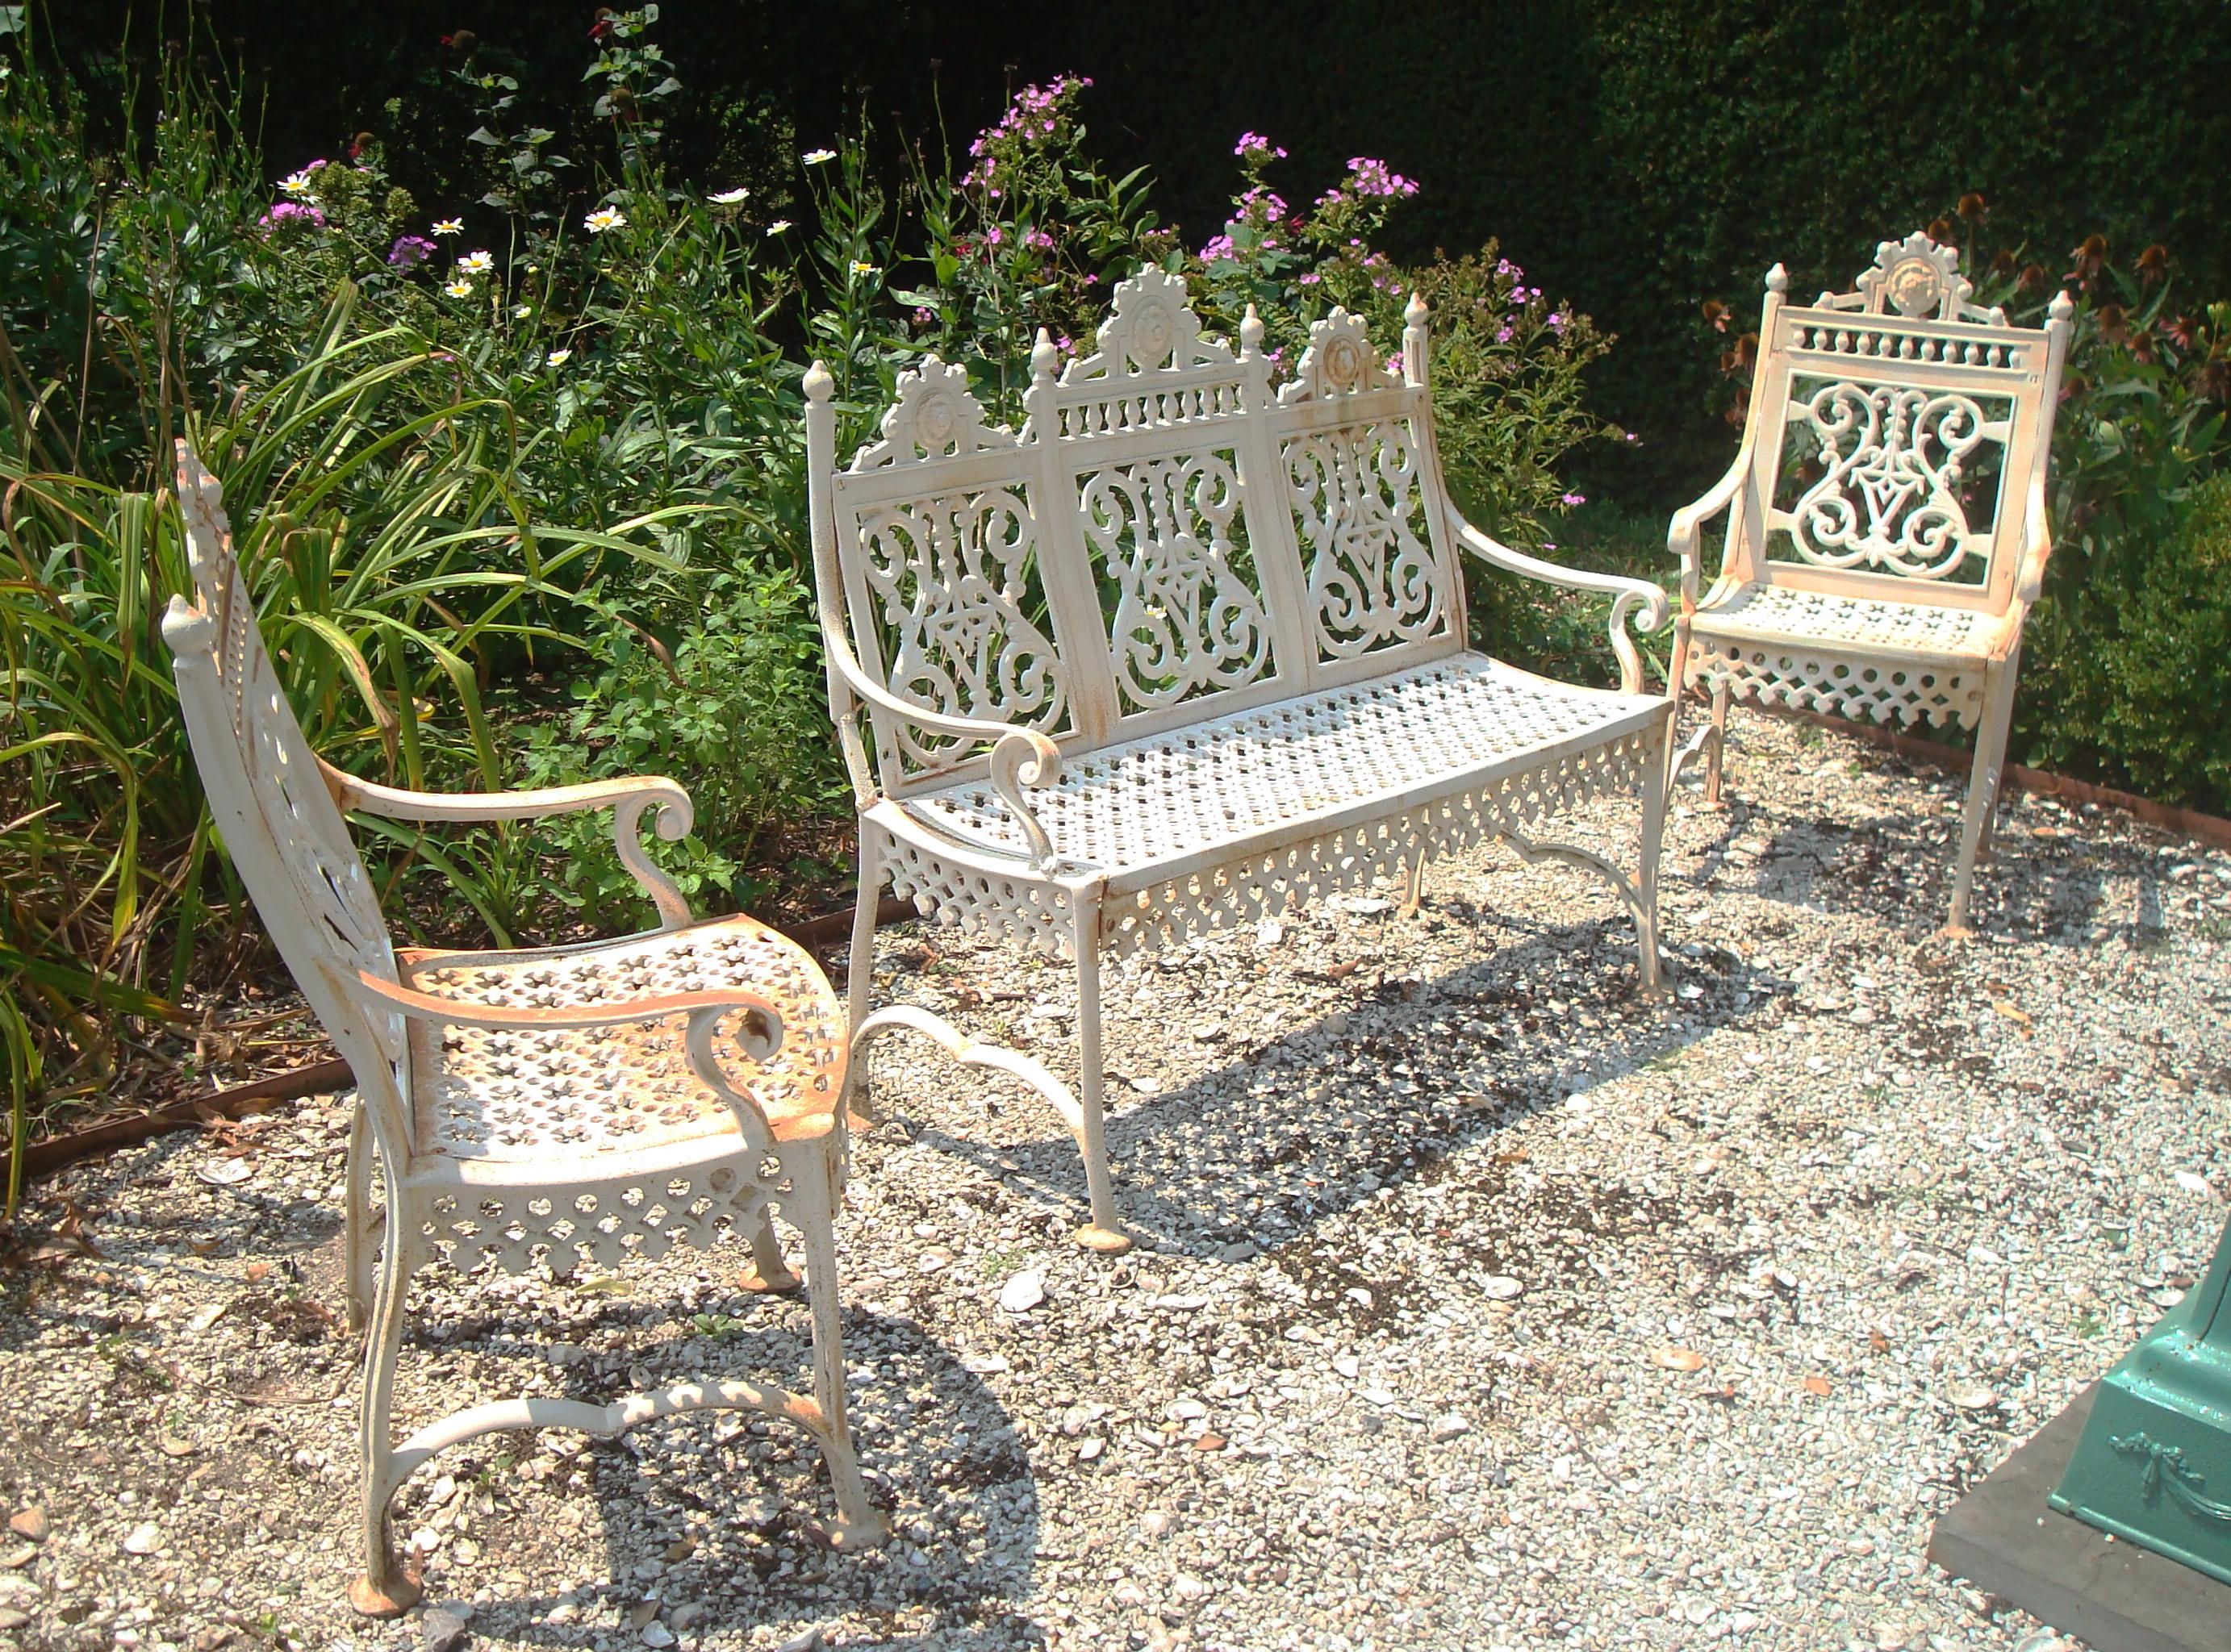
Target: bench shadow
pixel 1302 1125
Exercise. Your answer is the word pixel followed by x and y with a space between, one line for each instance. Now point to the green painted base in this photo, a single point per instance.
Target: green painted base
pixel 2154 1463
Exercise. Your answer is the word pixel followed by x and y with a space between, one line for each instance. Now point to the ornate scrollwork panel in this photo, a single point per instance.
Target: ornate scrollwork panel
pixel 1900 469
pixel 959 604
pixel 1358 506
pixel 1188 619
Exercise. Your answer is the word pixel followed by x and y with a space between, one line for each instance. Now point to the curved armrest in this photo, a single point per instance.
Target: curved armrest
pixel 1689 521
pixel 1628 594
pixel 706 1010
pixel 1020 757
pixel 629 798
pixel 2037 546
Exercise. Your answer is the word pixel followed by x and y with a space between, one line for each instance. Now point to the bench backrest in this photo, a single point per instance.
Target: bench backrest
pixel 1165 540
pixel 1897 432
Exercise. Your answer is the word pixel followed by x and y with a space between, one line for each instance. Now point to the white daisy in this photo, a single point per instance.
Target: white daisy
pixel 476 263
pixel 459 288
pixel 558 358
pixel 603 218
pixel 449 226
pixel 729 197
pixel 296 183
pixel 777 226
pixel 815 157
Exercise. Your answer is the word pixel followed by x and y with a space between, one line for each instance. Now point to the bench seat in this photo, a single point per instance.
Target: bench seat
pixel 1210 792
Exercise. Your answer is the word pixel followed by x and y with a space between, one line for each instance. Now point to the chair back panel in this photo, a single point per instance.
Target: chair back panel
pixel 1898 430
pixel 286 834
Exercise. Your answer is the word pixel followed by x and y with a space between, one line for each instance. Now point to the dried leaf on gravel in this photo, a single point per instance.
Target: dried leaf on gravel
pixel 1677 1359
pixel 1818 1385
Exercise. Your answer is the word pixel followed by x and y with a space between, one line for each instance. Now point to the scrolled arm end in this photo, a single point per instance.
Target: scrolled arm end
pixel 1024 757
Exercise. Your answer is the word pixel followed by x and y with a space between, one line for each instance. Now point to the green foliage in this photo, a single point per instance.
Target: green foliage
pixel 2140 664
pixel 725 706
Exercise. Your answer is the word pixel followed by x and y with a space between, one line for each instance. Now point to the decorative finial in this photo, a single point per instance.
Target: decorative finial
pixel 2062 307
pixel 1414 313
pixel 820 386
pixel 1777 280
pixel 1043 357
pixel 1251 332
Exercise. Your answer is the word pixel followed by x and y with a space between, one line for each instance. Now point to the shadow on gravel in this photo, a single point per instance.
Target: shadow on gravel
pixel 1315 1118
pixel 717 1520
pixel 2050 889
pixel 723 1512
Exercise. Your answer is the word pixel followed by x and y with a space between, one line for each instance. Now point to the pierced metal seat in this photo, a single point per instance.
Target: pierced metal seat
pixel 1141 811
pixel 529 1107
pixel 1886 523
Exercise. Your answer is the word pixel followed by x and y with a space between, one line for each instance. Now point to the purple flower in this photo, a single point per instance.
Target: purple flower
pixel 293 212
pixel 1038 239
pixel 1556 322
pixel 923 315
pixel 410 251
pixel 1502 334
pixel 1254 146
pixel 1370 177
pixel 1394 364
pixel 1573 499
pixel 1311 279
pixel 1219 247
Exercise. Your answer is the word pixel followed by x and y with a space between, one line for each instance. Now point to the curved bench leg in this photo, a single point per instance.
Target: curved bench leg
pixel 1104 1233
pixel 1716 746
pixel 1982 789
pixel 1654 786
pixel 358 1246
pixel 967 1051
pixel 770 1273
pixel 385 1589
pixel 861 972
pixel 816 1185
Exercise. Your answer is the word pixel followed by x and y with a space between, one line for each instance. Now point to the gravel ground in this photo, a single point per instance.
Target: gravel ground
pixel 1485 1305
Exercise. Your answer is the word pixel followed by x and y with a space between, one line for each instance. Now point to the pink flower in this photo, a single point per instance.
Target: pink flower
pixel 1573 498
pixel 1219 247
pixel 1253 146
pixel 1394 364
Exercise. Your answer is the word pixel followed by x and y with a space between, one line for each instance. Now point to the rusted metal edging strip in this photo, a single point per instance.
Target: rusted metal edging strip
pixel 2211 830
pixel 320 1078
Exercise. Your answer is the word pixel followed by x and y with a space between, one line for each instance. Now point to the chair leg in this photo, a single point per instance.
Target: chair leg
pixel 1104 1233
pixel 1655 772
pixel 385 1589
pixel 861 974
pixel 357 1240
pixel 816 1183
pixel 1716 745
pixel 769 1272
pixel 1982 789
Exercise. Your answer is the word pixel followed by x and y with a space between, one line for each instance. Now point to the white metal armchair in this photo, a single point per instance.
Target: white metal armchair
pixel 594 1101
pixel 1886 523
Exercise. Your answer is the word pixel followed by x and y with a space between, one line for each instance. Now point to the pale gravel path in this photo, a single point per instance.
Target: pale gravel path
pixel 1847 1158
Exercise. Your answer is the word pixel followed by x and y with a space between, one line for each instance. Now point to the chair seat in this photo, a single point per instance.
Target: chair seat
pixel 1295 768
pixel 530 1097
pixel 1857 624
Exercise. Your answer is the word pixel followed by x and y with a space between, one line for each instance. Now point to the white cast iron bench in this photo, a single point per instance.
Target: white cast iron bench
pixel 1888 533
pixel 1184 653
